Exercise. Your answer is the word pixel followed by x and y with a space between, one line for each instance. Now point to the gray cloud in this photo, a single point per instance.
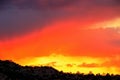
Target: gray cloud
pixel 108 2
pixel 18 17
pixel 13 22
pixel 22 16
pixel 38 4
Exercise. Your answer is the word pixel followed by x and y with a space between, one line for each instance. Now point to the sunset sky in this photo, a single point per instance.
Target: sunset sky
pixel 69 35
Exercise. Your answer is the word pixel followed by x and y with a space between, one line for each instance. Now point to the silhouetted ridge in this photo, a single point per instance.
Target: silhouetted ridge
pixel 12 71
pixel 15 71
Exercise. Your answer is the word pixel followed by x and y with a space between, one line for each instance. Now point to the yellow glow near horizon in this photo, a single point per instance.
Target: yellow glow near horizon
pixel 61 60
pixel 71 64
pixel 114 23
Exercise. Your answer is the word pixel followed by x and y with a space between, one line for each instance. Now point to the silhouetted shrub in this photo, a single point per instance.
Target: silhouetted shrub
pixel 12 71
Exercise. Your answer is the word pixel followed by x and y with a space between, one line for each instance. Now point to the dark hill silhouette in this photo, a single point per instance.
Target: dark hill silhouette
pixel 12 71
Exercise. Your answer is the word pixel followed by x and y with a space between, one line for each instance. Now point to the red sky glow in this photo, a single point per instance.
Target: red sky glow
pixel 70 35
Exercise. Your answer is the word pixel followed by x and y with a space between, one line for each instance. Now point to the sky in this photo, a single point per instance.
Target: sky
pixel 69 35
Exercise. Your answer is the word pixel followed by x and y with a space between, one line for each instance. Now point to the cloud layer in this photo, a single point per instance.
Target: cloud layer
pixel 38 4
pixel 37 28
pixel 80 64
pixel 24 16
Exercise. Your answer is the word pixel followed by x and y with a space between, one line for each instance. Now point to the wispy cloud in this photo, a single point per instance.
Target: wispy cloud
pixel 91 65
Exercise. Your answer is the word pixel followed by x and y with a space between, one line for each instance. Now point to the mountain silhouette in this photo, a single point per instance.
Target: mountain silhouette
pixel 12 71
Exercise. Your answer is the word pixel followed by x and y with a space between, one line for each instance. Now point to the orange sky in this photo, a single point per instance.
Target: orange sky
pixel 70 41
pixel 71 38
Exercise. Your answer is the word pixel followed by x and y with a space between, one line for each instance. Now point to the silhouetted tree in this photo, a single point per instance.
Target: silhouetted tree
pixel 12 71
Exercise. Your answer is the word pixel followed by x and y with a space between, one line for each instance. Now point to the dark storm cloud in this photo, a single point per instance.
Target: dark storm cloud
pixel 115 2
pixel 37 4
pixel 3 3
pixel 54 4
pixel 20 16
pixel 15 22
pixel 108 2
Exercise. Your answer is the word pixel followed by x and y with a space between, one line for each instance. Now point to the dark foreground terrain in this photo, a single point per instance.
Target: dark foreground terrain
pixel 12 71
